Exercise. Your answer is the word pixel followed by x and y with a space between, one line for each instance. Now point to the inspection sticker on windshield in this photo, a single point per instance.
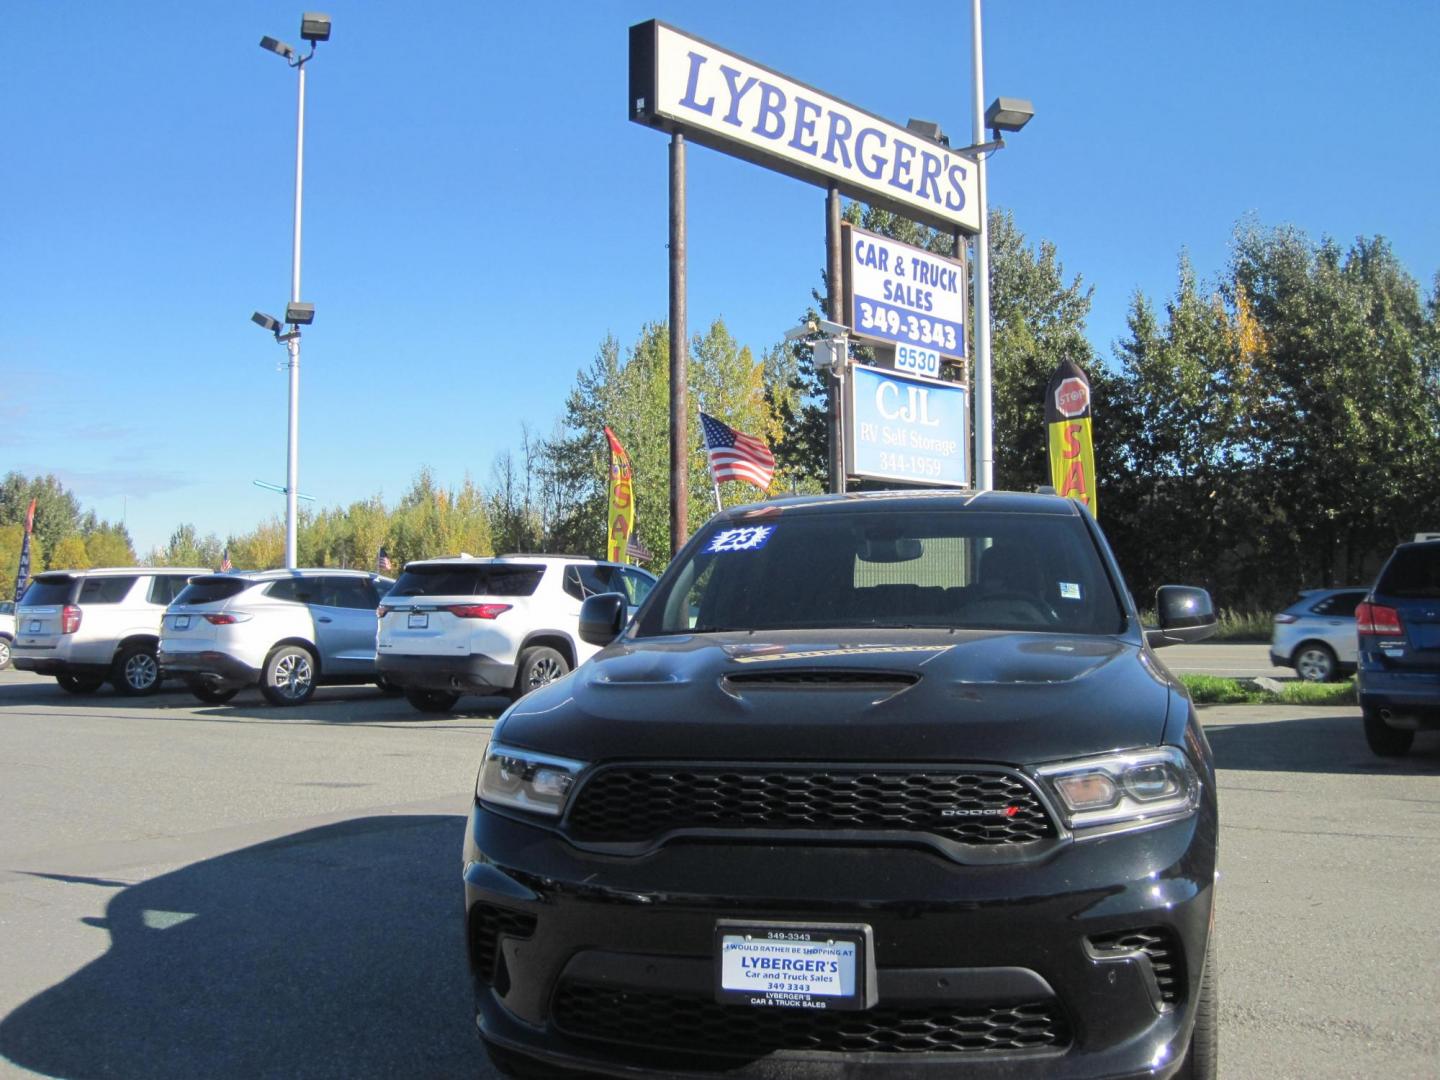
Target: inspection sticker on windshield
pixel 1069 590
pixel 745 538
pixel 792 966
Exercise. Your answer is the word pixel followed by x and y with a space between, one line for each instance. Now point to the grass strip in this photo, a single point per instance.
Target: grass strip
pixel 1214 690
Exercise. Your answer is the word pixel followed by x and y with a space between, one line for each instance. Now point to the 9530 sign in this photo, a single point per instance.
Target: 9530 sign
pixel 917 360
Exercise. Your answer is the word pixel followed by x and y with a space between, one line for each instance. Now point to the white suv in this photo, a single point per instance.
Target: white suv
pixel 502 625
pixel 7 631
pixel 286 631
pixel 87 626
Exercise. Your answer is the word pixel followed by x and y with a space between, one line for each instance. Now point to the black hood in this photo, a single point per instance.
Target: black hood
pixel 863 696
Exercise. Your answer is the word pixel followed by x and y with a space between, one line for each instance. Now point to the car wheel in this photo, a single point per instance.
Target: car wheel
pixel 212 695
pixel 289 676
pixel 437 701
pixel 1202 1059
pixel 137 672
pixel 388 688
pixel 539 666
pixel 74 684
pixel 1385 740
pixel 4 653
pixel 1315 662
pixel 518 1067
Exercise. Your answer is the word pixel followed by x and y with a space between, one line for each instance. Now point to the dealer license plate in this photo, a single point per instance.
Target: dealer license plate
pixel 795 965
pixel 418 620
pixel 182 622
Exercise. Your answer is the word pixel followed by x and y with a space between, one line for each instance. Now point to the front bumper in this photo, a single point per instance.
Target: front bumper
pixel 474 673
pixel 607 964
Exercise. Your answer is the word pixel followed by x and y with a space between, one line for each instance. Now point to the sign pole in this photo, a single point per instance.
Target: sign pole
pixel 984 442
pixel 834 274
pixel 679 374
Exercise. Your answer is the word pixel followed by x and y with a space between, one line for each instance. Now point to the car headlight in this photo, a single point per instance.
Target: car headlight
pixel 1126 790
pixel 525 780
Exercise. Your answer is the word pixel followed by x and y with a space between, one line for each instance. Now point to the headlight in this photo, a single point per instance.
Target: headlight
pixel 524 780
pixel 1128 790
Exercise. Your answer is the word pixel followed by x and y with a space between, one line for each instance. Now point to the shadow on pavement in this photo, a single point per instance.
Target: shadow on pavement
pixel 334 952
pixel 1316 744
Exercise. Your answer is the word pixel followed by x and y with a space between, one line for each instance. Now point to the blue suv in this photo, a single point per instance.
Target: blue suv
pixel 1399 629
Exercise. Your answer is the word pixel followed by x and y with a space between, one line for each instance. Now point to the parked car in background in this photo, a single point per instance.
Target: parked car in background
pixel 880 785
pixel 501 625
pixel 285 631
pixel 1399 630
pixel 1316 634
pixel 88 626
pixel 7 631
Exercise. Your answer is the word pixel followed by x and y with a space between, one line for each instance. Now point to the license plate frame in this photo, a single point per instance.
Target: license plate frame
pixel 418 620
pixel 783 986
pixel 36 626
pixel 182 622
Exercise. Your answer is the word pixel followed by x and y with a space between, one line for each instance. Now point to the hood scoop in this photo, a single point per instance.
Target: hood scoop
pixel 738 682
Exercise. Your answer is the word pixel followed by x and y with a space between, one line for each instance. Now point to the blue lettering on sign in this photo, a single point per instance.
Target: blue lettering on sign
pixel 900 174
pixel 956 199
pixel 772 107
pixel 908 429
pixel 930 168
pixel 736 92
pixel 840 131
pixel 805 127
pixel 692 84
pixel 876 166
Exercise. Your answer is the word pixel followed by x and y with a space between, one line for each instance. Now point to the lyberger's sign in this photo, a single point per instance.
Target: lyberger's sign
pixel 679 82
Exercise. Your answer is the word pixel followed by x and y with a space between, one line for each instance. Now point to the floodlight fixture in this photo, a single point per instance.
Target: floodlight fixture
pixel 928 129
pixel 1008 114
pixel 279 48
pixel 299 314
pixel 315 26
pixel 269 322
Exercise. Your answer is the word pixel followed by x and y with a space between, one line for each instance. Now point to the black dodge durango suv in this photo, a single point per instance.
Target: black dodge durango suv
pixel 883 785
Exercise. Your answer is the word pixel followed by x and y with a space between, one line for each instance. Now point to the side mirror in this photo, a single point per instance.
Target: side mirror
pixel 1187 615
pixel 602 618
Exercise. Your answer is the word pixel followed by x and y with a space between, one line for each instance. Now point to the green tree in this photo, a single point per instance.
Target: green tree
pixel 109 545
pixel 57 511
pixel 69 554
pixel 187 548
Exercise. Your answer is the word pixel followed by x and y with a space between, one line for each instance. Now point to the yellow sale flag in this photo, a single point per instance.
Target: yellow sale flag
pixel 620 516
pixel 1072 447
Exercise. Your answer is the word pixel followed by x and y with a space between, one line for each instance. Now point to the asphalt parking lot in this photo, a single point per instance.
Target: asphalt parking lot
pixel 243 891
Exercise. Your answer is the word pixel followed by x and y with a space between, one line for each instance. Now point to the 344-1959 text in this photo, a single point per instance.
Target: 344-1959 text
pixel 911 464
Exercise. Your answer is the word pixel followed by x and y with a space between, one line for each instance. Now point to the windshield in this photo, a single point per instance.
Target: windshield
pixel 944 568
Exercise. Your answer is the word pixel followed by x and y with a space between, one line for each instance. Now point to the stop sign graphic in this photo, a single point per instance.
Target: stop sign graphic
pixel 1072 397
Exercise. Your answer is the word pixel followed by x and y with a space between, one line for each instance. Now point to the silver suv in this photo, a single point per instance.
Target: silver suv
pixel 503 625
pixel 88 626
pixel 287 631
pixel 7 631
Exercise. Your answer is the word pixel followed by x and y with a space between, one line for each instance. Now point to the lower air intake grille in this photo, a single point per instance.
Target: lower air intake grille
pixel 642 802
pixel 487 924
pixel 1167 959
pixel 671 1022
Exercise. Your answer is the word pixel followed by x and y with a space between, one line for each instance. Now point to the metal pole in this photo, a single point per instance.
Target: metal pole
pixel 834 272
pixel 292 455
pixel 984 422
pixel 679 366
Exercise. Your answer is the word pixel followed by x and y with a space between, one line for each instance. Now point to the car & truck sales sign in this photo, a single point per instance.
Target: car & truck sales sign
pixel 905 294
pixel 721 100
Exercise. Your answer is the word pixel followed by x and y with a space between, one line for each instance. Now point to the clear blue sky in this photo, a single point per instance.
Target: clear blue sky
pixel 479 213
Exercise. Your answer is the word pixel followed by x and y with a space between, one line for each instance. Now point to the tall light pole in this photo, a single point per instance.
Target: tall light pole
pixel 1004 114
pixel 314 28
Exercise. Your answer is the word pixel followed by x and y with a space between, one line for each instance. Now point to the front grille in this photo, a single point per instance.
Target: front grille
pixel 675 1022
pixel 1159 943
pixel 643 802
pixel 487 924
pixel 821 680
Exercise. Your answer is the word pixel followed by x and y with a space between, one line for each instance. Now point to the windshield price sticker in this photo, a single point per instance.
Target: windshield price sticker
pixel 781 967
pixel 745 538
pixel 905 294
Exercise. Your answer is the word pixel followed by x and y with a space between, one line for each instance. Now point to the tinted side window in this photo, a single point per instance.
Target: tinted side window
pixel 1340 606
pixel 295 590
pixel 484 579
pixel 637 585
pixel 209 590
pixel 572 583
pixel 165 587
pixel 105 590
pixel 46 592
pixel 349 592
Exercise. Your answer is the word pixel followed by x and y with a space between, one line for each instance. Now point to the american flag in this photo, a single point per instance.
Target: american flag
pixel 735 455
pixel 225 564
pixel 382 560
